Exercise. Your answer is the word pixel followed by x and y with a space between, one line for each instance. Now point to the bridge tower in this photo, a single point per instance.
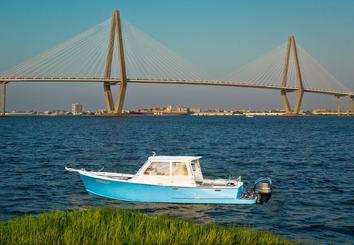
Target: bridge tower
pixel 115 108
pixel 300 87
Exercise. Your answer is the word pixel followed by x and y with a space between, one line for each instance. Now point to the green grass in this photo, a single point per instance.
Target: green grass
pixel 112 226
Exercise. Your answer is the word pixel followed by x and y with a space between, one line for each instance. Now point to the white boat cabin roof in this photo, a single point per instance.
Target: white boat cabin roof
pixel 173 158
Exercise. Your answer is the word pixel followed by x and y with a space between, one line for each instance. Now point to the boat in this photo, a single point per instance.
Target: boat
pixel 173 179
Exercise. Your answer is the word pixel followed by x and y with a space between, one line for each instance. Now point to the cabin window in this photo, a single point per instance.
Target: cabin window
pixel 179 169
pixel 158 168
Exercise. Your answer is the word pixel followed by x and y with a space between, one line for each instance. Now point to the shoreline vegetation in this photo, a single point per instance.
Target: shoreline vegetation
pixel 119 226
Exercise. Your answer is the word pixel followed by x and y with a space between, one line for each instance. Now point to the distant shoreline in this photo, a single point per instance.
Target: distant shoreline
pixel 181 115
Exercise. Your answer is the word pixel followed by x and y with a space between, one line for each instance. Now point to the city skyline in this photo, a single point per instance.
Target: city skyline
pixel 190 36
pixel 80 109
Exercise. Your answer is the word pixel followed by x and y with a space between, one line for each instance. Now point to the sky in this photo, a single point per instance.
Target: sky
pixel 215 35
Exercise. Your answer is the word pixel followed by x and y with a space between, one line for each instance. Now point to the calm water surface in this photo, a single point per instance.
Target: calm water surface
pixel 310 159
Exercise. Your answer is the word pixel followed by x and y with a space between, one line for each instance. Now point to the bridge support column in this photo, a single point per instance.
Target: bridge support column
pixel 3 98
pixel 284 96
pixel 123 75
pixel 300 92
pixel 108 69
pixel 347 105
pixel 300 95
pixel 108 97
pixel 285 101
pixel 115 109
pixel 339 105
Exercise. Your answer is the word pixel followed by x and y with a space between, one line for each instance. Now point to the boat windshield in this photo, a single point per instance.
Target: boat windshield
pixel 179 169
pixel 158 168
pixel 197 172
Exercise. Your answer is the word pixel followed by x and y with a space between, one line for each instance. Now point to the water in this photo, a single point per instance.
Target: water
pixel 310 160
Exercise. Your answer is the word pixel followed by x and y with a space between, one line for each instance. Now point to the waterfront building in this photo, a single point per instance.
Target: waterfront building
pixel 76 109
pixel 195 110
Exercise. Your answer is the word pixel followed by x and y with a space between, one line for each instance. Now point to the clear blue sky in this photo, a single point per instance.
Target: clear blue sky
pixel 220 35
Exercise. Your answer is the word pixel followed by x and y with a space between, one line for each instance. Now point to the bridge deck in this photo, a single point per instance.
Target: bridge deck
pixel 183 82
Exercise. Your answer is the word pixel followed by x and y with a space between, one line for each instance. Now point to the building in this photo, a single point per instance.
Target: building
pixel 76 109
pixel 195 110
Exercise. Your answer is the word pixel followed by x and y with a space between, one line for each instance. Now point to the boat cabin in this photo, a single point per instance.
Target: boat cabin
pixel 171 171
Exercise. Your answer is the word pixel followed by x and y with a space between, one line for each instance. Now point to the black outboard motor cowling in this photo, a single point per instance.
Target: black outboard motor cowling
pixel 263 189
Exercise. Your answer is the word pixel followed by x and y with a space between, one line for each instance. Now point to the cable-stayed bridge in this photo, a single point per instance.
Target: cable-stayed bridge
pixel 115 52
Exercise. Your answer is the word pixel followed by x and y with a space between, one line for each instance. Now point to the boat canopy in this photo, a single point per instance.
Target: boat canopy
pixel 173 158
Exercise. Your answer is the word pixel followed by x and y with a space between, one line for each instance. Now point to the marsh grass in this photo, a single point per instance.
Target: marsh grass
pixel 112 226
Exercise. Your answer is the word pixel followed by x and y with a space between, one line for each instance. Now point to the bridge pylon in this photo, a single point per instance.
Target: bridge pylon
pixel 339 105
pixel 284 96
pixel 348 99
pixel 3 106
pixel 300 87
pixel 115 108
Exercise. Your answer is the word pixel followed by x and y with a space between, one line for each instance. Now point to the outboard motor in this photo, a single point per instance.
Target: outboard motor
pixel 263 189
